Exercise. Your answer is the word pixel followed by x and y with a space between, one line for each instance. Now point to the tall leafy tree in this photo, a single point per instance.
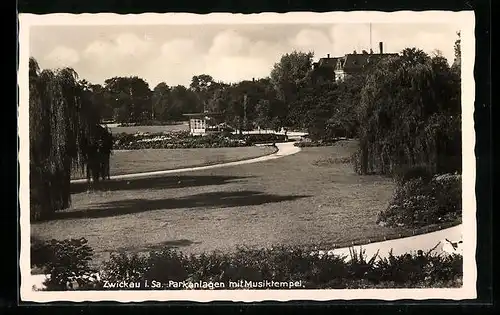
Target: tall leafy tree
pixel 131 98
pixel 203 86
pixel 184 100
pixel 287 76
pixel 409 115
pixel 63 122
pixel 457 62
pixel 162 104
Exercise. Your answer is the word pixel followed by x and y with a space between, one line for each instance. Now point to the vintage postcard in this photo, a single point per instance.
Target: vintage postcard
pixel 260 157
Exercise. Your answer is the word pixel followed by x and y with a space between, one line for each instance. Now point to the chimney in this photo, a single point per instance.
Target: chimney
pixel 327 55
pixel 381 47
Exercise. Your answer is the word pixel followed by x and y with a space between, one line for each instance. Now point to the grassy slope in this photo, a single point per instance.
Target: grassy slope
pixel 293 200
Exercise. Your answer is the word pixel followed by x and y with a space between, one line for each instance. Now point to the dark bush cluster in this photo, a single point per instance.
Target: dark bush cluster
pixel 264 138
pixel 281 264
pixel 67 262
pixel 306 144
pixel 421 200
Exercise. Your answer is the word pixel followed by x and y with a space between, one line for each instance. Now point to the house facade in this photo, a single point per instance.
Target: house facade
pixel 352 64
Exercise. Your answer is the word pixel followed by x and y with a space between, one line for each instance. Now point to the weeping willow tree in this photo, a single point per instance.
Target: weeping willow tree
pixel 410 115
pixel 63 125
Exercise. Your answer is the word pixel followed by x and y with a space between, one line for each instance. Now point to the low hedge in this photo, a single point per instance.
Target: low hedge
pixel 421 199
pixel 264 138
pixel 283 265
pixel 305 144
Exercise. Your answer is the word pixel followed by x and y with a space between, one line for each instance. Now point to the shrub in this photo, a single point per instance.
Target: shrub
pixel 252 139
pixel 332 161
pixel 40 253
pixel 281 264
pixel 417 202
pixel 305 144
pixel 404 174
pixel 67 262
pixel 122 266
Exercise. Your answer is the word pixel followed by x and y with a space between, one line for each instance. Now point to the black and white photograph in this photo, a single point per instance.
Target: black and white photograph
pixel 253 157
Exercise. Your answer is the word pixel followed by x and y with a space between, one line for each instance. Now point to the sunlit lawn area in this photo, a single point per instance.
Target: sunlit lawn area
pixel 300 199
pixel 182 126
pixel 148 160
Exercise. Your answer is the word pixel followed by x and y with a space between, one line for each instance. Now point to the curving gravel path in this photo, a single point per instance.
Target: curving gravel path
pixel 284 149
pixel 428 241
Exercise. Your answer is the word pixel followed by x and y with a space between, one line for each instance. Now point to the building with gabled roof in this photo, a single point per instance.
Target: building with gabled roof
pixel 351 64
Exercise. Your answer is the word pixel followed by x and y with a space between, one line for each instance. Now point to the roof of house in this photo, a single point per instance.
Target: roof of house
pixel 356 62
pixel 201 115
pixel 329 62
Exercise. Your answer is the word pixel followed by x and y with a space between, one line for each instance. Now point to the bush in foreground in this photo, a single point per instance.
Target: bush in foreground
pixel 67 262
pixel 283 264
pixel 421 200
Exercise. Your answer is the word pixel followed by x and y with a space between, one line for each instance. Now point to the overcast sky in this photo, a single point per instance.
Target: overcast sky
pixel 229 53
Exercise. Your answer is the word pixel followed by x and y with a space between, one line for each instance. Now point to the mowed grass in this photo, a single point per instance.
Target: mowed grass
pixel 183 126
pixel 148 160
pixel 297 200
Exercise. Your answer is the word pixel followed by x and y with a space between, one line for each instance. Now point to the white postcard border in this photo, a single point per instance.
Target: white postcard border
pixel 464 20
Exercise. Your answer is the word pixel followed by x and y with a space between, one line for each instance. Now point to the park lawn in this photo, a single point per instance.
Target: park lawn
pixel 148 160
pixel 184 126
pixel 296 200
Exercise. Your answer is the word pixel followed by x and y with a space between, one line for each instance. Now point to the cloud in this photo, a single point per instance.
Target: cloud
pixel 229 57
pixel 99 52
pixel 62 56
pixel 179 60
pixel 237 68
pixel 266 49
pixel 312 40
pixel 123 54
pixel 179 50
pixel 229 43
pixel 122 48
pixel 132 46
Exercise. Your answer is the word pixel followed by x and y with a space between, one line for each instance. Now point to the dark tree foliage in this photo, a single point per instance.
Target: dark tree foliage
pixel 63 127
pixel 410 115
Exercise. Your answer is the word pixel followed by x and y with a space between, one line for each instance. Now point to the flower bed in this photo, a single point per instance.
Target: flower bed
pixel 183 140
pixel 69 269
pixel 424 201
pixel 173 140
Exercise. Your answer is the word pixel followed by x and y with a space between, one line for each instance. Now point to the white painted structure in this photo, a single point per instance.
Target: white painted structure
pixel 198 122
pixel 197 126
